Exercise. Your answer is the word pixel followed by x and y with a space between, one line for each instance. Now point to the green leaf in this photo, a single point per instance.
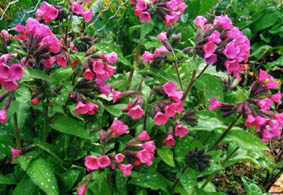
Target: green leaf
pixel 96 6
pixel 154 181
pixel 68 179
pixel 207 123
pixel 31 73
pixel 188 180
pixel 121 182
pixel 62 74
pixel 166 155
pixel 7 179
pixel 206 5
pixel 25 160
pixel 41 174
pixel 246 140
pixel 109 47
pixel 25 186
pixel 115 110
pixel 146 28
pixel 268 18
pixel 70 126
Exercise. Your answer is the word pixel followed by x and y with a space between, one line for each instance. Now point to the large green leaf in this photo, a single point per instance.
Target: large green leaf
pixel 268 18
pixel 41 174
pixel 188 180
pixel 25 186
pixel 166 155
pixel 146 28
pixel 115 110
pixel 206 5
pixel 7 179
pixel 61 74
pixel 68 179
pixel 70 126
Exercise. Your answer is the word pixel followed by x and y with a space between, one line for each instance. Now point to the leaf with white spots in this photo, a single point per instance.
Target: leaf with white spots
pixel 41 174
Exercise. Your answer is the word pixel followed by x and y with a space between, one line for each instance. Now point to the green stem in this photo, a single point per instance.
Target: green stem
pixel 146 108
pixel 177 180
pixel 134 64
pixel 17 133
pixel 46 120
pixel 224 133
pixel 190 85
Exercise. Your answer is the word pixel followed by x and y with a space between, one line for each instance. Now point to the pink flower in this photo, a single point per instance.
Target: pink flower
pixel 173 5
pixel 224 22
pixel 141 5
pixel 136 112
pixel 210 58
pixel 81 190
pixel 170 110
pixel 61 60
pixel 170 88
pixel 149 146
pixel 214 104
pixel 98 67
pixel 200 21
pixel 16 71
pixel 3 115
pixel 117 95
pixel 105 89
pixel 34 100
pixel 209 47
pixel 52 42
pixel 15 153
pixel 92 163
pixel 264 104
pixel 276 97
pixel 144 16
pixel 181 7
pixel 162 36
pixel 169 141
pixel 91 107
pixel 118 127
pixel 126 169
pixel 19 28
pixel 104 161
pixel 160 50
pixel 119 157
pixel 145 156
pixel 4 71
pixel 177 96
pixel 10 85
pixel 147 56
pixel 88 75
pixel 160 118
pixel 143 136
pixel 181 130
pixel 48 63
pixel 268 79
pixel 172 18
pixel 47 12
pixel 110 57
pixel 87 15
pixel 77 8
pixel 81 108
pixel 215 37
pixel 233 66
pixel 231 50
pixel 5 35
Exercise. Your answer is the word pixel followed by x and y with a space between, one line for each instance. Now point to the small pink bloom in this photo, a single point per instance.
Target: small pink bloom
pixel 81 108
pixel 276 97
pixel 3 115
pixel 147 56
pixel 170 88
pixel 145 156
pixel 105 89
pixel 250 121
pixel 162 37
pixel 34 100
pixel 233 66
pixel 169 141
pixel 77 8
pixel 160 118
pixel 264 104
pixel 149 146
pixel 144 16
pixel 209 47
pixel 141 5
pixel 5 35
pixel 181 130
pixel 136 112
pixel 92 163
pixel 48 63
pixel 113 166
pixel 4 71
pixel 91 107
pixel 15 153
pixel 143 136
pixel 172 18
pixel 88 74
pixel 200 21
pixel 224 22
pixel 19 28
pixel 16 72
pixel 47 12
pixel 98 67
pixel 117 95
pixel 81 190
pixel 52 42
pixel 161 50
pixel 75 62
pixel 170 110
pixel 231 50
pixel 214 104
pixel 87 15
pixel 210 58
pixel 118 127
pixel 177 96
pixel 61 60
pixel 137 163
pixel 104 161
pixel 126 169
pixel 173 5
pixel 110 57
pixel 119 157
pixel 215 37
pixel 10 85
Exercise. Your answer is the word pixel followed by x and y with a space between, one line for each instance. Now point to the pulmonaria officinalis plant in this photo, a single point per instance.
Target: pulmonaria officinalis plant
pixel 82 116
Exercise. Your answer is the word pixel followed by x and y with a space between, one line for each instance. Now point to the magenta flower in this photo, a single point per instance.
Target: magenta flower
pixel 48 63
pixel 231 50
pixel 87 15
pixel 276 97
pixel 210 58
pixel 169 141
pixel 136 112
pixel 119 157
pixel 105 89
pixel 34 100
pixel 77 8
pixel 149 146
pixel 162 36
pixel 15 153
pixel 5 35
pixel 10 85
pixel 118 127
pixel 215 37
pixel 98 67
pixel 143 136
pixel 88 74
pixel 173 5
pixel 47 12
pixel 200 21
pixel 81 190
pixel 209 47
pixel 170 110
pixel 126 169
pixel 81 108
pixel 4 71
pixel 92 163
pixel 141 5
pixel 91 107
pixel 147 56
pixel 181 130
pixel 16 71
pixel 110 57
pixel 224 22
pixel 160 118
pixel 19 28
pixel 145 156
pixel 214 104
pixel 104 161
pixel 117 95
pixel 264 104
pixel 160 50
pixel 61 60
pixel 52 42
pixel 144 16
pixel 170 88
pixel 171 19
pixel 3 115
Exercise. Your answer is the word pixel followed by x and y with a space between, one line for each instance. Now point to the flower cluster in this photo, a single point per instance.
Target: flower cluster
pixel 46 12
pixel 78 9
pixel 257 108
pixel 89 108
pixel 97 68
pixel 167 11
pixel 222 44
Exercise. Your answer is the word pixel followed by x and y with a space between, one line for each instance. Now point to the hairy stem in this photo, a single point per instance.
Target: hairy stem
pixel 17 133
pixel 134 64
